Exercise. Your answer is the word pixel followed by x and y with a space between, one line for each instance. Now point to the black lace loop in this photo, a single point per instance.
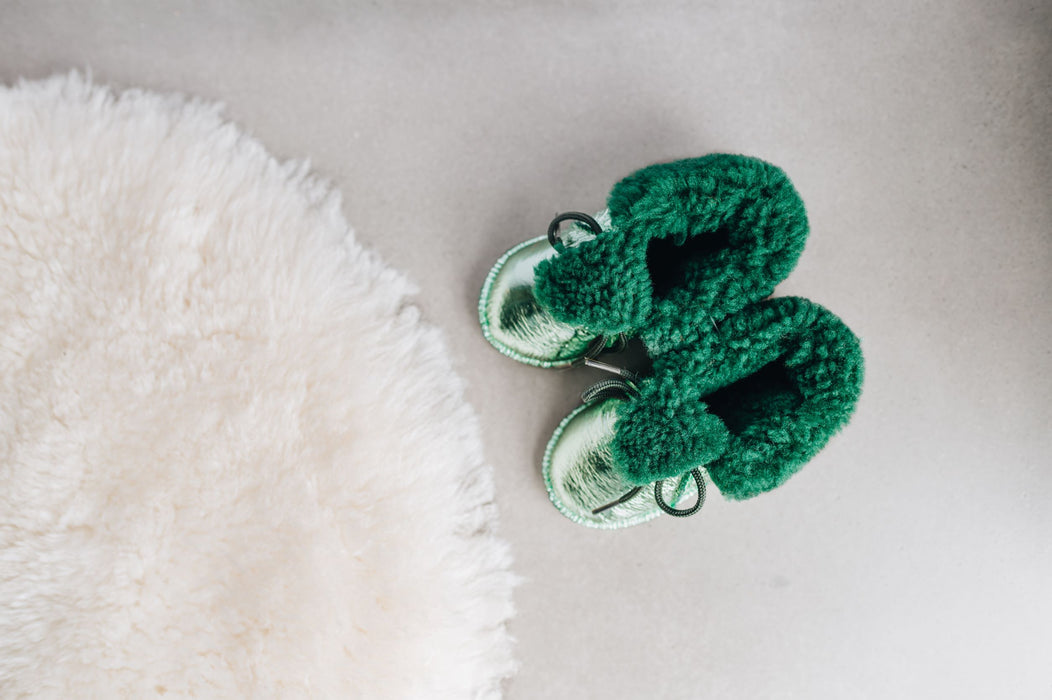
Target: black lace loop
pixel 608 389
pixel 553 228
pixel 624 388
pixel 684 512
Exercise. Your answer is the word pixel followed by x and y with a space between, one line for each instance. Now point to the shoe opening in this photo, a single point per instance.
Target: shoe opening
pixel 672 265
pixel 768 392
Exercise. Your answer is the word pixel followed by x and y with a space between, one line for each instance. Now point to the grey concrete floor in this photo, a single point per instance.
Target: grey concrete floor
pixel 912 557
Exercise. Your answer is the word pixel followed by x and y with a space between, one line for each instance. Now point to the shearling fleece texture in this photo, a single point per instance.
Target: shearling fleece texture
pixel 233 463
pixel 690 242
pixel 752 403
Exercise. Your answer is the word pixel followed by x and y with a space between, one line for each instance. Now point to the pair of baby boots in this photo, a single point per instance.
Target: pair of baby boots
pixel 742 389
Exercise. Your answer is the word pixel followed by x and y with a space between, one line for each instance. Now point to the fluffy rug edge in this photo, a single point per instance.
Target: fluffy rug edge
pixel 485 559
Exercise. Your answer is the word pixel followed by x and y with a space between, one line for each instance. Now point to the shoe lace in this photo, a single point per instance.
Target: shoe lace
pixel 555 239
pixel 624 387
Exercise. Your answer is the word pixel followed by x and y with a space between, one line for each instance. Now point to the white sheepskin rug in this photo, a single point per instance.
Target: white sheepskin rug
pixel 233 463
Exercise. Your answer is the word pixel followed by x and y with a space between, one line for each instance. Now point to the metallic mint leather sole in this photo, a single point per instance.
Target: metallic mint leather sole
pixel 516 324
pixel 580 477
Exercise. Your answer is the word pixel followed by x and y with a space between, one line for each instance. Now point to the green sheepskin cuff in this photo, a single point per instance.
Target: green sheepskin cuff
pixel 689 242
pixel 751 404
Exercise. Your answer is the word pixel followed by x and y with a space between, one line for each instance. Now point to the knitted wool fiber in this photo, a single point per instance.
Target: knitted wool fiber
pixel 690 242
pixel 752 404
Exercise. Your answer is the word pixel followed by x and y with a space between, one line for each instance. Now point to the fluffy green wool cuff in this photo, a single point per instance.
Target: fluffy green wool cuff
pixel 752 403
pixel 690 242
